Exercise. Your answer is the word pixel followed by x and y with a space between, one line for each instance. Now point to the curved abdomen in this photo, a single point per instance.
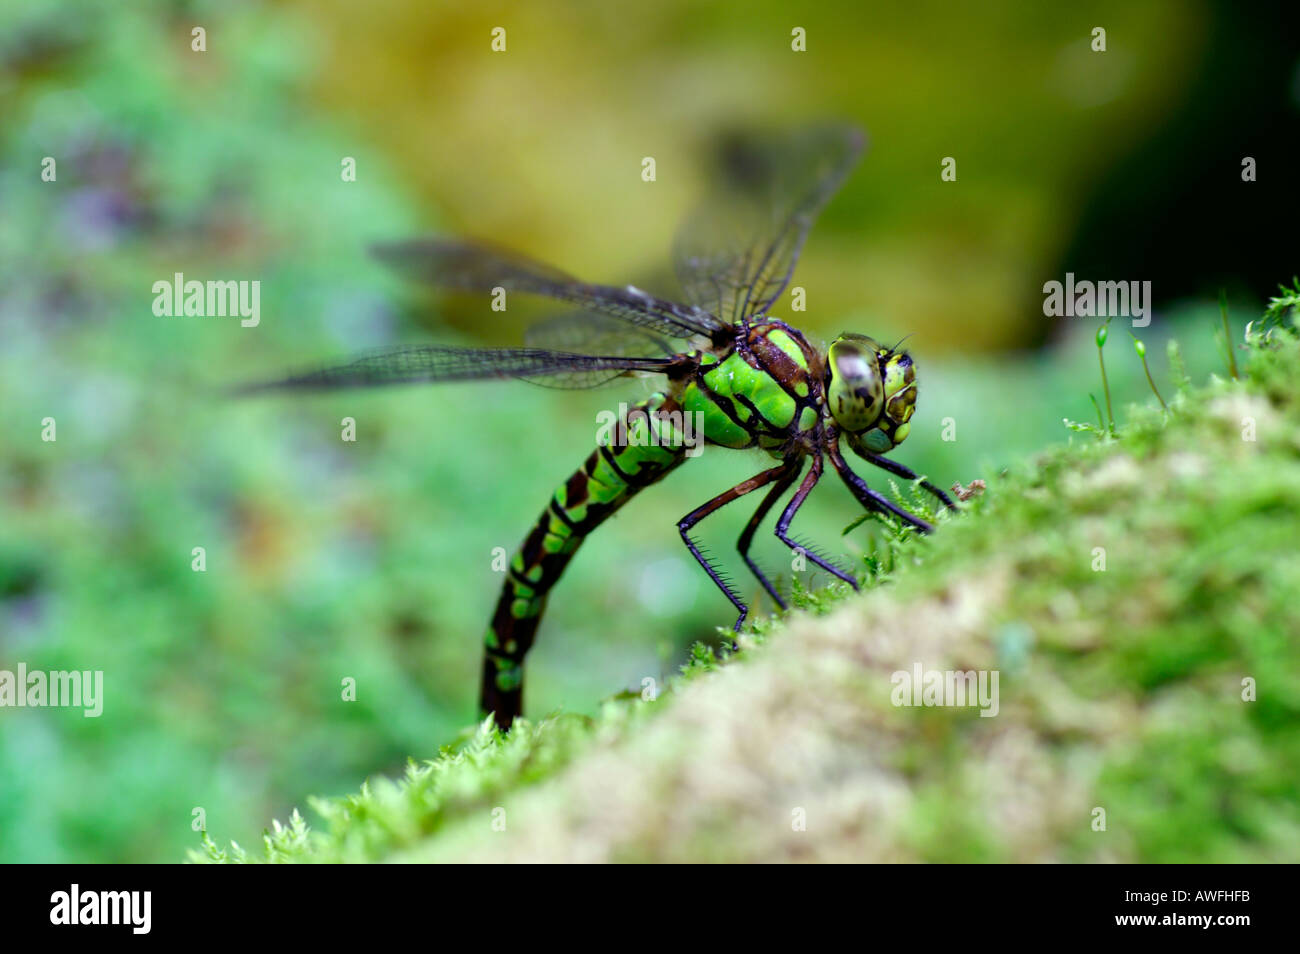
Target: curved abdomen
pixel 641 449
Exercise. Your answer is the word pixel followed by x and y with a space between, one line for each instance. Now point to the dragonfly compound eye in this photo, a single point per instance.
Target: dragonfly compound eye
pixel 898 399
pixel 855 388
pixel 900 389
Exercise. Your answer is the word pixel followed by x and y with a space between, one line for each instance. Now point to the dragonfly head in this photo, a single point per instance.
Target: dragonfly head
pixel 871 392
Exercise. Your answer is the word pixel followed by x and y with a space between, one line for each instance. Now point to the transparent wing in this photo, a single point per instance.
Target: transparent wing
pixel 585 332
pixel 735 254
pixel 432 364
pixel 476 267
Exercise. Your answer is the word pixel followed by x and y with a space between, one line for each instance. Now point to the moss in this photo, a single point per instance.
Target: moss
pixel 1123 690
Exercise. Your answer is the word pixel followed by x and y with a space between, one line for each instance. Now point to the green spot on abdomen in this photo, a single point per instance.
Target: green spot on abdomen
pixel 523 609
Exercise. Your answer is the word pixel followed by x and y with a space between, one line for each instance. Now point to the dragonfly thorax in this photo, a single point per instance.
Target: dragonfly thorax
pixel 766 392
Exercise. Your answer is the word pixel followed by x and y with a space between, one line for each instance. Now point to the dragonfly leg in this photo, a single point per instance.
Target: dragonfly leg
pixel 747 535
pixel 717 503
pixel 868 497
pixel 899 470
pixel 792 508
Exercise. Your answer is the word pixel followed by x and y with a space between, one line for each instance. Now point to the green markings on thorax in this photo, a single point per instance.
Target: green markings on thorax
pixel 752 396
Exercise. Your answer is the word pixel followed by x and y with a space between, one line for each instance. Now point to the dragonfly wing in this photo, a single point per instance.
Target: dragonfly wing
pixel 432 364
pixel 475 267
pixel 735 254
pixel 585 332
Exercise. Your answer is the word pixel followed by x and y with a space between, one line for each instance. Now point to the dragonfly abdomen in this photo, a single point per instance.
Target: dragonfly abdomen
pixel 641 449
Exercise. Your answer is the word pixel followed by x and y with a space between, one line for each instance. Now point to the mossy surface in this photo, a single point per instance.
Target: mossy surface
pixel 1137 597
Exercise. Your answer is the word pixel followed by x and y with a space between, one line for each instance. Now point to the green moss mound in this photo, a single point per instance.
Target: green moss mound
pixel 1138 598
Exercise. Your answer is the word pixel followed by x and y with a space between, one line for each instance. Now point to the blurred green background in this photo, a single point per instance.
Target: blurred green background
pixel 372 559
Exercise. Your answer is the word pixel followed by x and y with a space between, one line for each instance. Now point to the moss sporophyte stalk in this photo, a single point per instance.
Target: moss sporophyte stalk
pixel 1141 350
pixel 1105 385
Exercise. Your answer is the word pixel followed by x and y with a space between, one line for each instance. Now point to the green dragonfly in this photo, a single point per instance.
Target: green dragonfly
pixel 742 377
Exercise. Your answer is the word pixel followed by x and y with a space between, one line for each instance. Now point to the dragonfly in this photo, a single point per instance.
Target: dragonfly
pixel 745 378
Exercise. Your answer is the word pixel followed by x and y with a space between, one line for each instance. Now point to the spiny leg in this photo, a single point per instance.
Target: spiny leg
pixel 717 503
pixel 868 497
pixel 796 502
pixel 899 470
pixel 747 535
